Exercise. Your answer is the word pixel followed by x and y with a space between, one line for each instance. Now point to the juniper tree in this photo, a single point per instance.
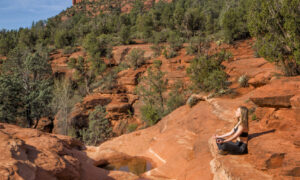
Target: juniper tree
pixel 30 82
pixel 276 26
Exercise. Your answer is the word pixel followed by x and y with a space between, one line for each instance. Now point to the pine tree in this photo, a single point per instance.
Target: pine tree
pixel 151 90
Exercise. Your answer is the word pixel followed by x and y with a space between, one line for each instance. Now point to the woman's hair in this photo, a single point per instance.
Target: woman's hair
pixel 244 116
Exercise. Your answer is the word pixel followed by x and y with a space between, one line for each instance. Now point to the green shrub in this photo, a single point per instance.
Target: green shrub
pixel 233 20
pixel 198 45
pixel 278 39
pixel 99 129
pixel 243 81
pixel 176 96
pixel 131 127
pixel 97 46
pixel 174 41
pixel 151 114
pixel 156 49
pixel 206 73
pixel 83 76
pixel 72 132
pixel 151 89
pixel 136 58
pixel 253 117
pixel 69 50
pixel 62 38
pixel 193 100
pixel 125 35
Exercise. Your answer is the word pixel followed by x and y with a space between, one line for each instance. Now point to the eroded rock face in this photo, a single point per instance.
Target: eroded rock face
pixel 30 154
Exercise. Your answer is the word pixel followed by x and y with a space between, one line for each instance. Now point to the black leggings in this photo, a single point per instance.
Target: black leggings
pixel 234 148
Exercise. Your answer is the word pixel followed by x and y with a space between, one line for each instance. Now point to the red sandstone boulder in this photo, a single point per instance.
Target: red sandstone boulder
pixel 295 101
pixel 277 94
pixel 30 154
pixel 263 112
pixel 260 79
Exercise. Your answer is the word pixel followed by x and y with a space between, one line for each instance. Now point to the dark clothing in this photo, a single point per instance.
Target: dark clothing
pixel 244 134
pixel 234 148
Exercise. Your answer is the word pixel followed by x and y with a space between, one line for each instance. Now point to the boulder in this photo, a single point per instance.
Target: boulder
pixel 30 154
pixel 45 124
pixel 295 101
pixel 263 112
pixel 277 94
pixel 260 79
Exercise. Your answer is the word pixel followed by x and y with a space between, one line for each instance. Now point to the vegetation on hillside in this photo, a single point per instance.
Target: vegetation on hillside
pixel 27 82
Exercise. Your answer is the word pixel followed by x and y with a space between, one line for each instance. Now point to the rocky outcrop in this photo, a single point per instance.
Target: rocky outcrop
pixel 260 79
pixel 278 93
pixel 59 63
pixel 274 123
pixel 295 101
pixel 31 154
pixel 45 124
pixel 118 109
pixel 233 167
pixel 126 5
pixel 177 145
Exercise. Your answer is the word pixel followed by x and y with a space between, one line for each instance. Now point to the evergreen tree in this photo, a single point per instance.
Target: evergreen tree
pixel 234 20
pixel 136 58
pixel 276 26
pixel 151 90
pixel 83 74
pixel 99 129
pixel 30 78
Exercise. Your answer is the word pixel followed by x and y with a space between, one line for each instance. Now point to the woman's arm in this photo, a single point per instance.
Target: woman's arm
pixel 236 134
pixel 226 135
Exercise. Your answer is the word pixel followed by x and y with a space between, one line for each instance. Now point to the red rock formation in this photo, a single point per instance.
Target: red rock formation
pixel 178 143
pixel 76 2
pixel 31 154
pixel 278 93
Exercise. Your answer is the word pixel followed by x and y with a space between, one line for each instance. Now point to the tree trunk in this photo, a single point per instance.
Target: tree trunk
pixel 87 85
pixel 29 121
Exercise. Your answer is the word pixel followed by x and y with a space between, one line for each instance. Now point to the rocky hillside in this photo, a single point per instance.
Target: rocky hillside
pixel 116 75
pixel 121 99
pixel 180 145
pixel 125 5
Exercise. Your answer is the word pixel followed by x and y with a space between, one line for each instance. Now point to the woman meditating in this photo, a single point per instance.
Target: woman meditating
pixel 239 133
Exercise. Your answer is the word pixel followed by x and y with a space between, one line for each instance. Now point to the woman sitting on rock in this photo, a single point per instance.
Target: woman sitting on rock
pixel 239 133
